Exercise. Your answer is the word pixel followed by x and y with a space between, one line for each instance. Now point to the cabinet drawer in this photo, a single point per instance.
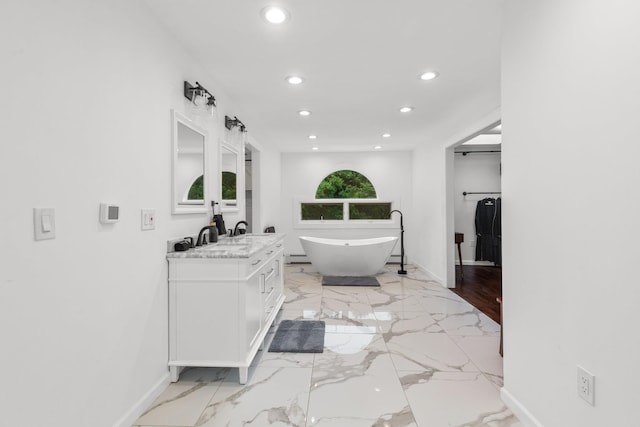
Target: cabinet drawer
pixel 268 276
pixel 262 261
pixel 203 269
pixel 272 290
pixel 258 261
pixel 270 301
pixel 254 264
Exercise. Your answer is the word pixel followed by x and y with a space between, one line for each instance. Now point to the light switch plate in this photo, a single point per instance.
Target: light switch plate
pixel 44 223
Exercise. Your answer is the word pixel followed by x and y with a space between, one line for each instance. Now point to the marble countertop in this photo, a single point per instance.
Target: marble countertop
pixel 243 246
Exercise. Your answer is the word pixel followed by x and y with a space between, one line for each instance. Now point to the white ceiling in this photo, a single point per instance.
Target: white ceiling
pixel 485 139
pixel 360 60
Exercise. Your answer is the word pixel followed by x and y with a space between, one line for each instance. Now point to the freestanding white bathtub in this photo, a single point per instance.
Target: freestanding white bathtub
pixel 355 257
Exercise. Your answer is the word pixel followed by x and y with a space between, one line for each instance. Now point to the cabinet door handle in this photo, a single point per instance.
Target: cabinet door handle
pixel 269 296
pixel 257 262
pixel 270 274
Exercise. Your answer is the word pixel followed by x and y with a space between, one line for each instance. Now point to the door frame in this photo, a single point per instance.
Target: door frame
pixel 490 121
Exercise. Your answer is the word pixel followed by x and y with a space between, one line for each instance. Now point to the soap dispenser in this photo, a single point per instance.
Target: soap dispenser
pixel 213 212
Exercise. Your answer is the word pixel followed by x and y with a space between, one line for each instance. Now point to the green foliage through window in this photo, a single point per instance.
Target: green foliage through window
pixel 346 184
pixel 196 191
pixel 369 210
pixel 322 211
pixel 228 185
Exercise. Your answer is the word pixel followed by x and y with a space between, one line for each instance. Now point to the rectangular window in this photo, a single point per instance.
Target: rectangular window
pixel 322 211
pixel 344 213
pixel 361 211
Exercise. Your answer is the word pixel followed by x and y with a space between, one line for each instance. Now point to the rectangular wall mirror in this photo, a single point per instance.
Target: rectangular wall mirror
pixel 229 169
pixel 189 166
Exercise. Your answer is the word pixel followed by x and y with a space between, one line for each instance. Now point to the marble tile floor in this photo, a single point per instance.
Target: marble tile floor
pixel 409 353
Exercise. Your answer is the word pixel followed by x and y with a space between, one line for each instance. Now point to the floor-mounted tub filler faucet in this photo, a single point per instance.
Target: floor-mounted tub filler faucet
pixel 402 270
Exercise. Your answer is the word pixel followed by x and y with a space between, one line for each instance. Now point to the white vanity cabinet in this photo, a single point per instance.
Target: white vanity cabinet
pixel 223 302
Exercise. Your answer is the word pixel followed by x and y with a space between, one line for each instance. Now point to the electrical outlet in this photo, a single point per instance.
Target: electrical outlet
pixel 586 385
pixel 148 219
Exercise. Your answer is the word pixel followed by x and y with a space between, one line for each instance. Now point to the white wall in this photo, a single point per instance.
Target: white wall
pixel 433 204
pixel 389 172
pixel 266 188
pixel 571 98
pixel 473 173
pixel 87 89
pixel 429 210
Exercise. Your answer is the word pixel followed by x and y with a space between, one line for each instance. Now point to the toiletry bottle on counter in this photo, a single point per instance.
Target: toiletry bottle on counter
pixel 220 224
pixel 218 220
pixel 213 233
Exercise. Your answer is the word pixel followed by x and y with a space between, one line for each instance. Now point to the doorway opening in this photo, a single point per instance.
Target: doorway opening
pixel 475 218
pixel 248 189
pixel 252 187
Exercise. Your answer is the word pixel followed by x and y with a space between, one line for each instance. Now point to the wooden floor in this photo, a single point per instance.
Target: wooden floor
pixel 480 287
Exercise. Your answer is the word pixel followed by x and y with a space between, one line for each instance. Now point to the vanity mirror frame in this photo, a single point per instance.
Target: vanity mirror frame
pixel 178 205
pixel 228 205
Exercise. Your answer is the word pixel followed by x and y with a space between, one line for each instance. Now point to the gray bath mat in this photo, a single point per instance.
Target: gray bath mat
pixel 299 336
pixel 349 281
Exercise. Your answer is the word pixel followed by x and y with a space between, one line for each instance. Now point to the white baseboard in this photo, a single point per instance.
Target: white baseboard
pixel 303 259
pixel 518 409
pixel 297 259
pixel 472 262
pixel 143 403
pixel 426 271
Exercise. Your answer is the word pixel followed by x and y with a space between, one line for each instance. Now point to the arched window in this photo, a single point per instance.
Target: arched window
pixel 342 193
pixel 346 184
pixel 228 185
pixel 196 191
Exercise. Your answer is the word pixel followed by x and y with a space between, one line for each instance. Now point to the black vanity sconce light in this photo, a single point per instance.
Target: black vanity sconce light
pixel 199 95
pixel 230 123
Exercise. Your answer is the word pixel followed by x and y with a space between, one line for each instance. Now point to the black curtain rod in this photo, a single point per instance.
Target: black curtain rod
pixel 464 193
pixel 464 153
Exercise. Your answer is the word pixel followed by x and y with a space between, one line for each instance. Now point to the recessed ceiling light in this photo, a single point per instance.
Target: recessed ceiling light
pixel 386 135
pixel 294 80
pixel 378 147
pixel 429 75
pixel 406 109
pixel 315 148
pixel 312 136
pixel 304 113
pixel 274 14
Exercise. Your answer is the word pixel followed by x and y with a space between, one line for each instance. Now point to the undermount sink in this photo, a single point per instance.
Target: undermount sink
pixel 225 247
pixel 242 237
